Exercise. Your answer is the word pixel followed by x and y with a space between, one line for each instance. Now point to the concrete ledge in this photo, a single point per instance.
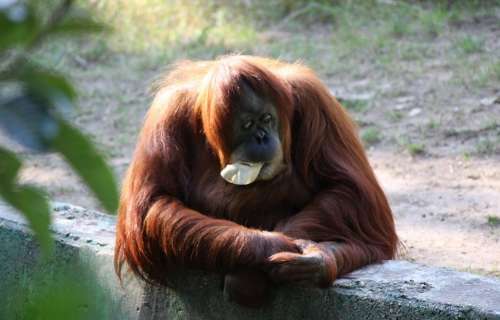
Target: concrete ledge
pixel 393 290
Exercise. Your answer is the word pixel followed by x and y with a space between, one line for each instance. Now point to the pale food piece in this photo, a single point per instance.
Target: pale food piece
pixel 241 173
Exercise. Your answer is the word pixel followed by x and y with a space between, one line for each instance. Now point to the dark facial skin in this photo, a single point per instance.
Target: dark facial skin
pixel 256 133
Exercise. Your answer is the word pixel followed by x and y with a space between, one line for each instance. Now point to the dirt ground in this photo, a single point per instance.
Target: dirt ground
pixel 432 136
pixel 442 207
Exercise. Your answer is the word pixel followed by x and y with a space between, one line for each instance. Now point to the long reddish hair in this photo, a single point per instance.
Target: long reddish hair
pixel 187 129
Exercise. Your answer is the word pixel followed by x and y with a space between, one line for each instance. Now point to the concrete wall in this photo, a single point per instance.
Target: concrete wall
pixel 393 290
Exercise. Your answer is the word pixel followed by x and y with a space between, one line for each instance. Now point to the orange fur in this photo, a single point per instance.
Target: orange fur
pixel 176 211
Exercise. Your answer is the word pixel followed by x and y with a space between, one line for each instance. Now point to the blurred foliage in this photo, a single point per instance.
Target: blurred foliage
pixel 494 221
pixel 34 103
pixel 58 293
pixel 371 136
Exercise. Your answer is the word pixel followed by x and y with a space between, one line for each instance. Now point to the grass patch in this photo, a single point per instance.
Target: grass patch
pixel 432 22
pixel 481 79
pixel 399 27
pixel 413 51
pixel 160 32
pixel 486 146
pixel 494 72
pixel 486 72
pixel 469 45
pixel 150 25
pixel 371 136
pixel 354 104
pixel 415 148
pixel 494 221
pixel 394 115
pixel 432 124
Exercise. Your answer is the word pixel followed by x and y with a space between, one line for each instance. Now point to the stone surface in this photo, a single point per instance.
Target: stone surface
pixel 393 290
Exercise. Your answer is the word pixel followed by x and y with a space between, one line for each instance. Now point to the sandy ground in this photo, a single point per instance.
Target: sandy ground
pixel 441 207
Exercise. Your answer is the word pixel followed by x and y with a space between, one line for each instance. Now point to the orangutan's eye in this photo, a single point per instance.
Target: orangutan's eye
pixel 248 124
pixel 267 118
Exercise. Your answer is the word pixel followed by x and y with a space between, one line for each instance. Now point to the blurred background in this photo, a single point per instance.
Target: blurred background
pixel 420 78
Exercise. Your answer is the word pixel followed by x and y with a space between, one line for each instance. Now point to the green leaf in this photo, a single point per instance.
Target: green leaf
pixel 47 83
pixel 9 166
pixel 26 120
pixel 86 161
pixel 78 25
pixel 17 25
pixel 28 200
pixel 33 205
